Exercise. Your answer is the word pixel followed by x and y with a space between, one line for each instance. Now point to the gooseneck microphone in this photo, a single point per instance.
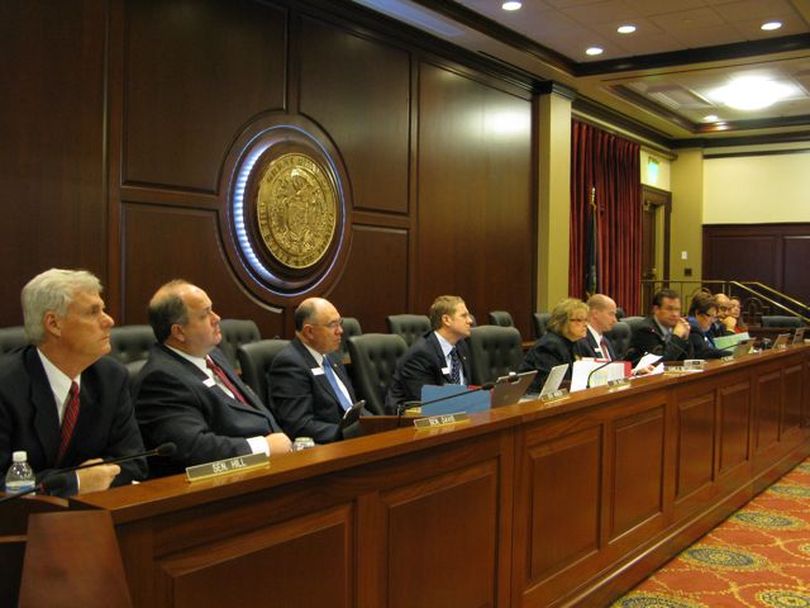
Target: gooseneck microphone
pixel 593 371
pixel 409 405
pixel 54 482
pixel 164 449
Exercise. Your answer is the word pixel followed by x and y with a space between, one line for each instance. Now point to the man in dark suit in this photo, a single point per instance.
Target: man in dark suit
pixel 61 400
pixel 439 357
pixel 189 394
pixel 601 319
pixel 665 333
pixel 310 390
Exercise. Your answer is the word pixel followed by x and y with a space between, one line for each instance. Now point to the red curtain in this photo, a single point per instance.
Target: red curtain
pixel 608 167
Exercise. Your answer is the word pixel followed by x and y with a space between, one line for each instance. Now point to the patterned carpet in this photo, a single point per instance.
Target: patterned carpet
pixel 759 557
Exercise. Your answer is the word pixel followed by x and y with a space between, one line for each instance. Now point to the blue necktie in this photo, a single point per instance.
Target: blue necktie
pixel 455 367
pixel 330 376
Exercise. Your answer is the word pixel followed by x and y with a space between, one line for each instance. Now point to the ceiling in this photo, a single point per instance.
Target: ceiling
pixel 664 75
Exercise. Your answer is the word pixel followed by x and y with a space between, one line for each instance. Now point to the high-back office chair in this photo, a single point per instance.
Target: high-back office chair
pixel 781 321
pixel 130 345
pixel 255 358
pixel 540 321
pixel 374 359
pixel 620 313
pixel 351 327
pixel 501 317
pixel 410 327
pixel 620 338
pixel 633 322
pixel 236 332
pixel 494 351
pixel 12 338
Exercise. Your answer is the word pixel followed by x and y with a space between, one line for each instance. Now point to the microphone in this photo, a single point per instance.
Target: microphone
pixel 409 405
pixel 593 371
pixel 54 482
pixel 165 449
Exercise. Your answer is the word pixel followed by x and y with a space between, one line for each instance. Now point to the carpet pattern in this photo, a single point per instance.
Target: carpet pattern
pixel 759 557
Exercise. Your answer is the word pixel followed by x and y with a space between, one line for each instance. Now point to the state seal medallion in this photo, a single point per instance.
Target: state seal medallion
pixel 296 210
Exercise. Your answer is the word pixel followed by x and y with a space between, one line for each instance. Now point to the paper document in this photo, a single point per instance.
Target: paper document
pixel 648 359
pixel 614 370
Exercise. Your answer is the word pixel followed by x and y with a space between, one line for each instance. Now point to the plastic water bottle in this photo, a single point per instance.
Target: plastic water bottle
pixel 20 476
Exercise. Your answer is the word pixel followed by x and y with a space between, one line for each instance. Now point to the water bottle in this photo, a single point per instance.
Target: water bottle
pixel 20 476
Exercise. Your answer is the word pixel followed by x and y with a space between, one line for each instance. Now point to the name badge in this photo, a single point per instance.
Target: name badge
pixel 209 382
pixel 446 371
pixel 317 371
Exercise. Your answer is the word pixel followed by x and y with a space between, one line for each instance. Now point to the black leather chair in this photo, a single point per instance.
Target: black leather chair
pixel 540 320
pixel 620 313
pixel 236 332
pixel 12 338
pixel 374 359
pixel 633 322
pixel 255 359
pixel 620 338
pixel 781 321
pixel 494 351
pixel 410 327
pixel 351 327
pixel 501 317
pixel 130 345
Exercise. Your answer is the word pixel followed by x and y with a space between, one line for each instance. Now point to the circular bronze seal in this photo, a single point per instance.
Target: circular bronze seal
pixel 296 209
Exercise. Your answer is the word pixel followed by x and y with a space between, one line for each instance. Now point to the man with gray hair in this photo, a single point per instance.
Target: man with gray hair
pixel 309 390
pixel 61 400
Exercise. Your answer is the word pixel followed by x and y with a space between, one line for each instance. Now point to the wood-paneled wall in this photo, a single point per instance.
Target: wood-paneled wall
pixel 124 112
pixel 775 254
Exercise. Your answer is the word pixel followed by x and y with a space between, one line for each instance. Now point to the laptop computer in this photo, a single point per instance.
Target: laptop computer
pixel 781 341
pixel 554 380
pixel 798 335
pixel 509 389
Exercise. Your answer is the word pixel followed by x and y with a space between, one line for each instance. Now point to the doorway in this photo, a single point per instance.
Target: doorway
pixel 655 229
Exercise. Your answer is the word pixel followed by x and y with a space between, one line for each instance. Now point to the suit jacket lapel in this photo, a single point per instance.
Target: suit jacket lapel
pixel 46 417
pixel 320 379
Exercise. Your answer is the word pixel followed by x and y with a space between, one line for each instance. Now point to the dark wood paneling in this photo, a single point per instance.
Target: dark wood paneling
pixel 358 90
pixel 795 278
pixel 164 243
pixel 196 72
pixel 734 402
pixel 52 155
pixel 427 557
pixel 696 435
pixel 768 404
pixel 775 254
pixel 475 221
pixel 565 489
pixel 272 555
pixel 791 398
pixel 376 276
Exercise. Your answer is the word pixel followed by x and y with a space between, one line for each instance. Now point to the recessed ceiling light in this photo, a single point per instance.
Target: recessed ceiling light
pixel 770 26
pixel 752 93
pixel 711 118
pixel 594 50
pixel 626 29
pixel 511 5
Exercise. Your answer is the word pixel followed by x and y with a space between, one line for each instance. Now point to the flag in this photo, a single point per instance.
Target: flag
pixel 591 248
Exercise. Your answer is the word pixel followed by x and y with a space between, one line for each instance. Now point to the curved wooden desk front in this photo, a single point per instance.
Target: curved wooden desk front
pixel 522 506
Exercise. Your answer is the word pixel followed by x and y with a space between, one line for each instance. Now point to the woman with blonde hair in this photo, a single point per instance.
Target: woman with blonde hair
pixel 567 325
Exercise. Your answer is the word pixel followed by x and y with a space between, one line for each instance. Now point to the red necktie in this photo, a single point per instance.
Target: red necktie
pixel 69 420
pixel 226 382
pixel 605 352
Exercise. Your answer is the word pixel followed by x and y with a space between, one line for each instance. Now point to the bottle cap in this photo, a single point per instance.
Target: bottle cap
pixel 20 456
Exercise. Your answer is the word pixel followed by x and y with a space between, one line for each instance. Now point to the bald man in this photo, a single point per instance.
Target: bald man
pixel 310 390
pixel 189 394
pixel 601 319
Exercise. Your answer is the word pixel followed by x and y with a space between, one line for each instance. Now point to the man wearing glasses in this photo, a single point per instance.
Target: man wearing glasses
pixel 664 333
pixel 310 390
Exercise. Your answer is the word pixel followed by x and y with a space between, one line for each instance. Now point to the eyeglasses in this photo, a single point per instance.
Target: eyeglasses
pixel 578 320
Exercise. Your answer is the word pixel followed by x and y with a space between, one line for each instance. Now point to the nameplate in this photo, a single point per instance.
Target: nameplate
pixel 225 466
pixel 560 393
pixel 431 422
pixel 618 383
